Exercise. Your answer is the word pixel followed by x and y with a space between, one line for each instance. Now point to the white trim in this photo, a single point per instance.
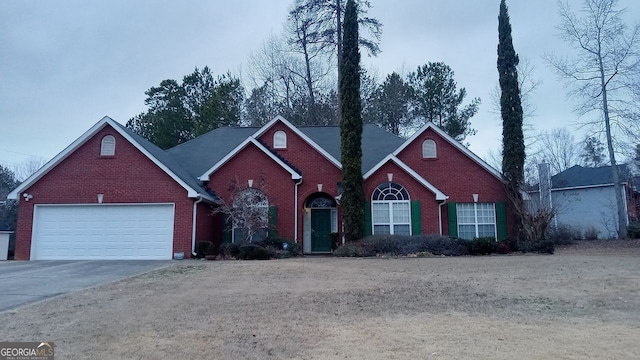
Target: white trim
pixel 391 157
pixel 191 192
pixel 280 140
pixel 453 142
pixel 193 226
pixel 108 145
pixel 234 152
pixel 313 144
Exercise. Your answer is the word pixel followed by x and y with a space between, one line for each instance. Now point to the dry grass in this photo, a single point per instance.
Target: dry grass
pixel 580 303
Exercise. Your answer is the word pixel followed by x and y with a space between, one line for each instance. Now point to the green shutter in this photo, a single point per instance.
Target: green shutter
pixel 416 218
pixel 227 230
pixel 367 220
pixel 501 219
pixel 452 216
pixel 273 222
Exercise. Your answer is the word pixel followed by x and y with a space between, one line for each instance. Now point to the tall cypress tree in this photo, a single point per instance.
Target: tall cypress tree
pixel 513 151
pixel 351 128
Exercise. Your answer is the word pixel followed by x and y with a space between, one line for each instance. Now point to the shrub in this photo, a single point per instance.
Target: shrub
pixel 482 246
pixel 443 245
pixel 504 247
pixel 591 233
pixel 544 246
pixel 633 230
pixel 353 249
pixel 563 234
pixel 229 250
pixel 402 245
pixel 281 248
pixel 203 249
pixel 253 252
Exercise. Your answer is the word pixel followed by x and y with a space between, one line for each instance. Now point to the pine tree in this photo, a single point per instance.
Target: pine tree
pixel 351 128
pixel 513 149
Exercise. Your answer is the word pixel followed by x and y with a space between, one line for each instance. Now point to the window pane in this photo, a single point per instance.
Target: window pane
pixel 467 232
pixel 381 213
pixel 466 214
pixel 401 214
pixel 381 229
pixel 486 231
pixel 486 214
pixel 401 230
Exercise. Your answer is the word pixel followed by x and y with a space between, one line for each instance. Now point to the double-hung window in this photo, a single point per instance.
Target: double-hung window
pixel 476 220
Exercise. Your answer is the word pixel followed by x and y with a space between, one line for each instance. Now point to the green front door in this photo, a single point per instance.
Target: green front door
pixel 320 230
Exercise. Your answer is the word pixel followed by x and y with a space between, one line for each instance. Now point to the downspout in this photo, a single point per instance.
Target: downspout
pixel 440 215
pixel 295 212
pixel 193 225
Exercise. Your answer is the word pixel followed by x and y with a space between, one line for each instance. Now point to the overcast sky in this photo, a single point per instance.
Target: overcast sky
pixel 66 64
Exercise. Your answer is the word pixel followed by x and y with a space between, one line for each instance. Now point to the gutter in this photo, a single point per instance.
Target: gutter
pixel 295 212
pixel 440 215
pixel 193 225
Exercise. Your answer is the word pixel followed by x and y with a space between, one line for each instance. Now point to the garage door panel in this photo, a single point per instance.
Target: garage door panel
pixel 103 232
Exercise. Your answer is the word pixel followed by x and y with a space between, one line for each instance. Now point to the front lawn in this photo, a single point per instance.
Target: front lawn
pixel 583 302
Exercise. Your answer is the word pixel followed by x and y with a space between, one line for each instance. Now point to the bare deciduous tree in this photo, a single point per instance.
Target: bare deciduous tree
pixel 28 167
pixel 248 210
pixel 607 56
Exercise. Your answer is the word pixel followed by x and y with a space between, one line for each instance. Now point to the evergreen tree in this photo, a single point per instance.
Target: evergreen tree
pixel 513 149
pixel 593 152
pixel 438 100
pixel 351 128
pixel 389 105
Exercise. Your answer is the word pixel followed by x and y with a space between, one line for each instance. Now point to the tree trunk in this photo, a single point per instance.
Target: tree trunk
pixel 339 42
pixel 615 174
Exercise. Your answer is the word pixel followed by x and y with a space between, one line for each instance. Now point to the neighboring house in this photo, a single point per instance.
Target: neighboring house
pixel 584 198
pixel 113 195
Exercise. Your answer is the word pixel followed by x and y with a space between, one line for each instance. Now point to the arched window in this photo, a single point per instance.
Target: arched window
pixel 429 150
pixel 250 214
pixel 280 140
pixel 391 209
pixel 108 146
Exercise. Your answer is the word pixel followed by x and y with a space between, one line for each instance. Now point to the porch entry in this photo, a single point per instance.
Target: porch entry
pixel 320 221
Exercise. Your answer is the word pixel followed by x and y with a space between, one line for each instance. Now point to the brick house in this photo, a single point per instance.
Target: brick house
pixel 113 195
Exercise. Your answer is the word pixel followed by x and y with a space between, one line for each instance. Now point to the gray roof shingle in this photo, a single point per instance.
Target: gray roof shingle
pixel 578 176
pixel 376 142
pixel 200 154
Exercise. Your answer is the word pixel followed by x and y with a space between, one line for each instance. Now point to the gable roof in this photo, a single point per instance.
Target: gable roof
pixel 250 140
pixel 439 194
pixel 201 154
pixel 455 144
pixel 580 177
pixel 304 136
pixel 151 151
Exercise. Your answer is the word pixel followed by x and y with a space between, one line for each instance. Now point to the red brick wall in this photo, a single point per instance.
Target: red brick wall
pixel 455 174
pixel 316 169
pixel 267 175
pixel 127 177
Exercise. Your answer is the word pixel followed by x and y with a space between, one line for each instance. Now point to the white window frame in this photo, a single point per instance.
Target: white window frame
pixel 476 222
pixel 108 146
pixel 280 140
pixel 382 198
pixel 429 149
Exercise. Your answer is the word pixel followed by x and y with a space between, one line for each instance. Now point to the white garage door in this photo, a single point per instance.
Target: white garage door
pixel 75 232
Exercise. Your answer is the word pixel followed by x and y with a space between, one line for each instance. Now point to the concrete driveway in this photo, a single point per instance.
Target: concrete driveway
pixel 26 282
